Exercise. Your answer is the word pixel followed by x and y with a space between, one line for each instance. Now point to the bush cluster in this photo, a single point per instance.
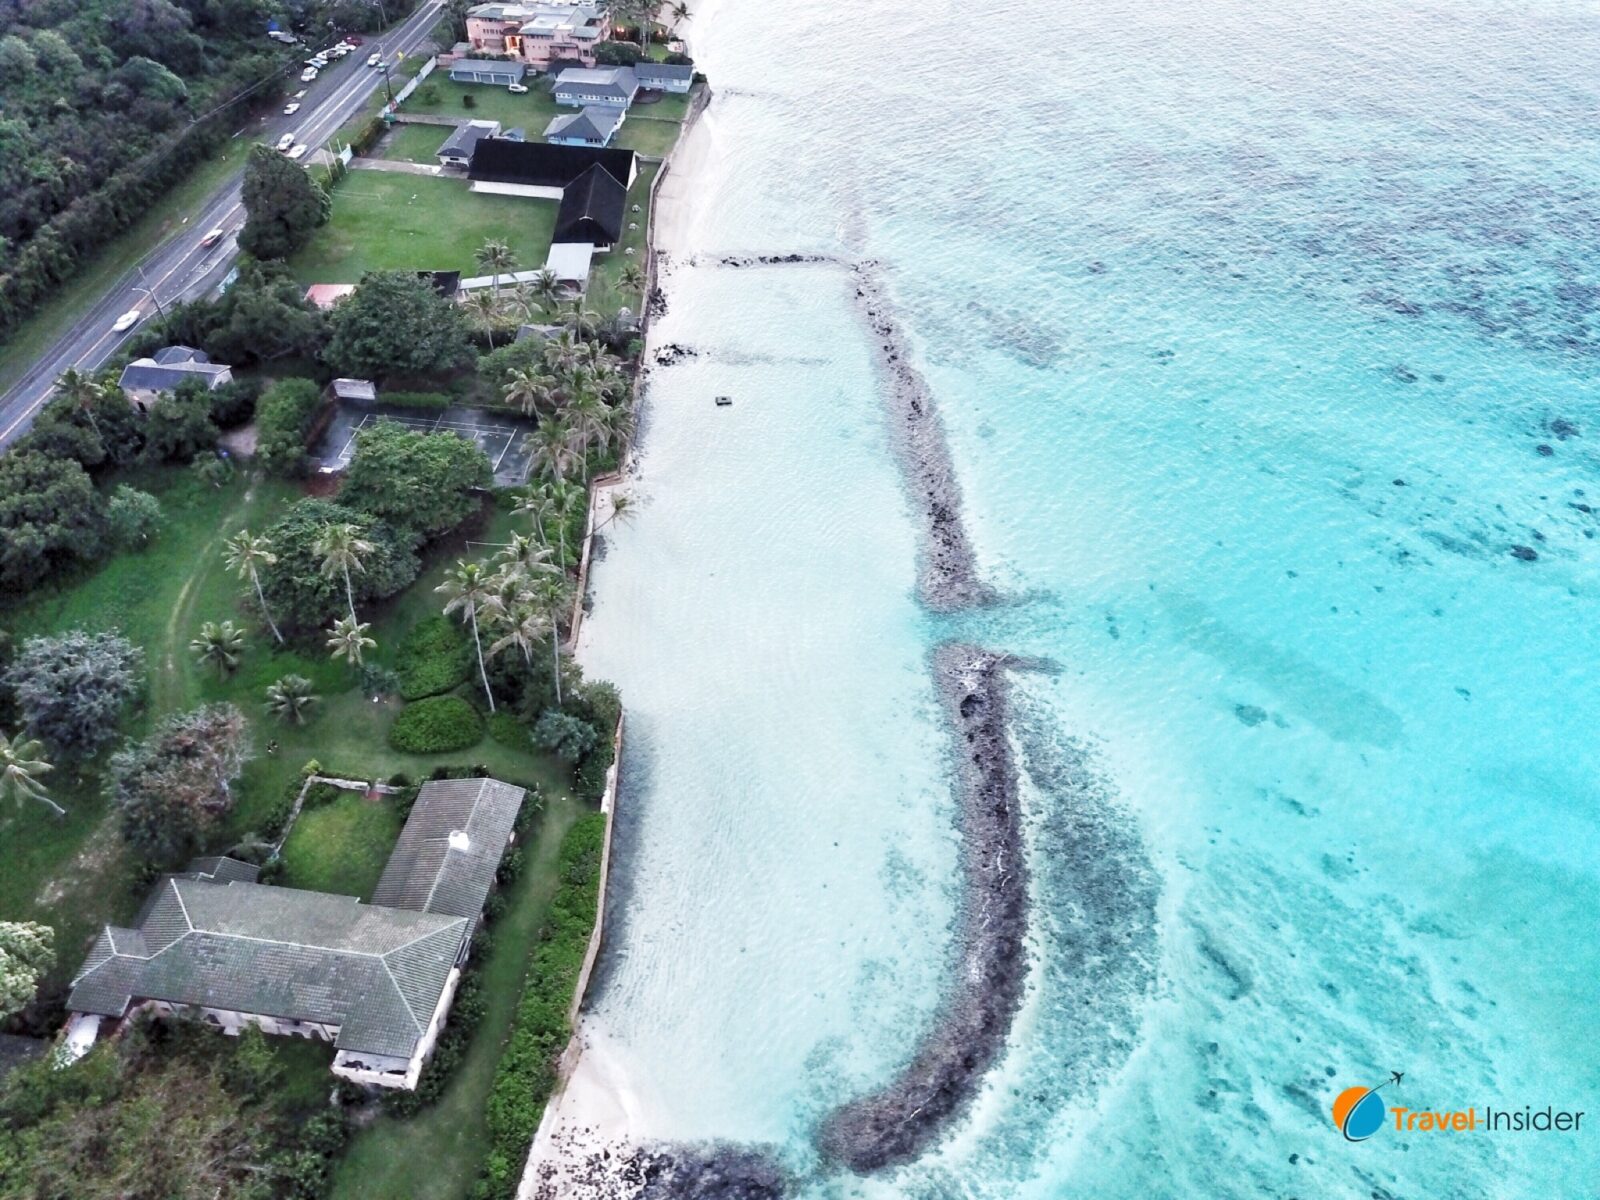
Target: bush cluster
pixel 526 1073
pixel 431 401
pixel 436 725
pixel 434 657
pixel 284 415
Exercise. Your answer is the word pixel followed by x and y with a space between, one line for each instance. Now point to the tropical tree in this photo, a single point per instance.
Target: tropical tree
pixel 82 392
pixel 525 625
pixel 219 644
pixel 290 699
pixel 349 640
pixel 21 764
pixel 245 554
pixel 485 307
pixel 578 319
pixel 536 504
pixel 469 589
pixel 498 259
pixel 547 287
pixel 567 499
pixel 343 550
pixel 27 951
pixel 632 277
pixel 70 689
pixel 525 557
pixel 553 595
pixel 679 12
pixel 527 388
pixel 552 449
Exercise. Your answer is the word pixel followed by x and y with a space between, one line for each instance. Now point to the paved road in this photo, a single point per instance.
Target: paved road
pixel 181 268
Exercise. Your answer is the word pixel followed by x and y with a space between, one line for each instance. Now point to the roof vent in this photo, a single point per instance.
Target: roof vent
pixel 459 840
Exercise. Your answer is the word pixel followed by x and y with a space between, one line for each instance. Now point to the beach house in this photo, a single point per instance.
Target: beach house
pixel 664 77
pixel 614 87
pixel 457 148
pixel 486 70
pixel 595 125
pixel 374 978
pixel 539 34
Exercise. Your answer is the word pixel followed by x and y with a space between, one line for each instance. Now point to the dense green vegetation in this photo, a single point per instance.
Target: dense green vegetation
pixel 526 1074
pixel 434 657
pixel 436 725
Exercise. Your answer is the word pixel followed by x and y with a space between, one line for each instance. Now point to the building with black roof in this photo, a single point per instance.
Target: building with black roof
pixel 592 210
pixel 542 170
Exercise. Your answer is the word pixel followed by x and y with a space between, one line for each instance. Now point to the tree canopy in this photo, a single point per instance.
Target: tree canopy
pixel 51 519
pixel 27 951
pixel 300 594
pixel 422 482
pixel 396 323
pixel 172 788
pixel 70 689
pixel 283 205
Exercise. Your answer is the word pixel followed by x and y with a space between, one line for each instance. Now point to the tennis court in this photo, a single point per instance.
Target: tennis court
pixel 502 437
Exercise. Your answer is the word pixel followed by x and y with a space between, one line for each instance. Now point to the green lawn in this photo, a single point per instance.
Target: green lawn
pixel 530 113
pixel 341 846
pixel 647 134
pixel 605 290
pixel 435 1154
pixel 418 223
pixel 413 143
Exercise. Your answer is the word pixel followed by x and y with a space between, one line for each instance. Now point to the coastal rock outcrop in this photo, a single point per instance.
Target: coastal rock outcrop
pixel 901 1120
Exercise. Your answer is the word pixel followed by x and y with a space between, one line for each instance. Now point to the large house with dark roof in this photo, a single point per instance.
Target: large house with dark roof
pixel 376 979
pixel 541 170
pixel 595 125
pixel 144 379
pixel 664 77
pixel 592 210
pixel 614 86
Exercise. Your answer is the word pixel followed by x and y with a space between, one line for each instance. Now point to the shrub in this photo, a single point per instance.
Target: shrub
pixel 70 690
pixel 526 1073
pixel 283 423
pixel 432 401
pixel 320 794
pixel 132 517
pixel 434 657
pixel 234 403
pixel 435 725
pixel 510 732
pixel 570 738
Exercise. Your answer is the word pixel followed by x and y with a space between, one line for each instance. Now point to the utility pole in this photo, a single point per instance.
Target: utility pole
pixel 151 292
pixel 384 68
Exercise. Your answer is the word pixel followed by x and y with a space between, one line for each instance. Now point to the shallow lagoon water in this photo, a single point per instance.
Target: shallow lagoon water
pixel 1247 328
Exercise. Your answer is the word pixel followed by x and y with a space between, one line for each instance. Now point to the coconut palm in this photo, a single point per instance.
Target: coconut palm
pixel 21 763
pixel 82 392
pixel 497 257
pixel 679 12
pixel 525 626
pixel 536 503
pixel 290 699
pixel 469 589
pixel 547 288
pixel 566 500
pixel 526 557
pixel 632 277
pixel 528 387
pixel 624 507
pixel 552 449
pixel 578 319
pixel 485 308
pixel 219 644
pixel 552 594
pixel 343 550
pixel 561 351
pixel 349 640
pixel 245 556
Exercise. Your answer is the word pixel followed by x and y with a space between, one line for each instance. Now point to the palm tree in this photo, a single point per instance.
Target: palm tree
pixel 632 277
pixel 553 594
pixel 561 351
pixel 349 640
pixel 526 557
pixel 498 258
pixel 245 555
pixel 343 550
pixel 579 319
pixel 552 449
pixel 82 392
pixel 680 12
pixel 526 624
pixel 485 307
pixel 568 499
pixel 624 507
pixel 470 589
pixel 290 699
pixel 537 504
pixel 547 287
pixel 219 643
pixel 527 387
pixel 21 764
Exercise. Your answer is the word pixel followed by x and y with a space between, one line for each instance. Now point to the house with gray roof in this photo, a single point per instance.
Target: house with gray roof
pixel 594 125
pixel 614 87
pixel 374 978
pixel 487 70
pixel 144 379
pixel 457 148
pixel 664 77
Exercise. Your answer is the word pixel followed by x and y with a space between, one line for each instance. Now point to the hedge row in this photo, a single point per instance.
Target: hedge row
pixel 526 1073
pixel 434 657
pixel 431 401
pixel 435 725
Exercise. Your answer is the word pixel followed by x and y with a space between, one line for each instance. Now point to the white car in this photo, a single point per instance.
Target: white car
pixel 517 89
pixel 291 108
pixel 126 321
pixel 285 142
pixel 374 59
pixel 213 237
pixel 299 151
pixel 308 75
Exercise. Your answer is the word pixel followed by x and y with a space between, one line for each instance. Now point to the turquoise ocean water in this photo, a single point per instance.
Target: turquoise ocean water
pixel 1265 336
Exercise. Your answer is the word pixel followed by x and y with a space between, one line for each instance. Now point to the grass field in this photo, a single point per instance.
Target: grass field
pixel 417 223
pixel 382 1160
pixel 412 143
pixel 606 293
pixel 341 846
pixel 647 134
pixel 530 113
pixel 74 873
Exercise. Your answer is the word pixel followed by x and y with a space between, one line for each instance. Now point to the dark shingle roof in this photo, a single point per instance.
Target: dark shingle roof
pixel 592 209
pixel 377 973
pixel 593 123
pixel 649 73
pixel 539 164
pixel 460 143
pixel 223 869
pixel 430 870
pixel 168 355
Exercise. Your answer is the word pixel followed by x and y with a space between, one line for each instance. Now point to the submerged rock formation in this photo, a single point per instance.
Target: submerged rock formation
pixel 901 1120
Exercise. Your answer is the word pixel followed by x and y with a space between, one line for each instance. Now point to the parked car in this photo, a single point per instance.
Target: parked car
pixel 374 59
pixel 291 108
pixel 285 142
pixel 213 236
pixel 299 151
pixel 308 75
pixel 300 95
pixel 354 39
pixel 126 321
pixel 517 89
